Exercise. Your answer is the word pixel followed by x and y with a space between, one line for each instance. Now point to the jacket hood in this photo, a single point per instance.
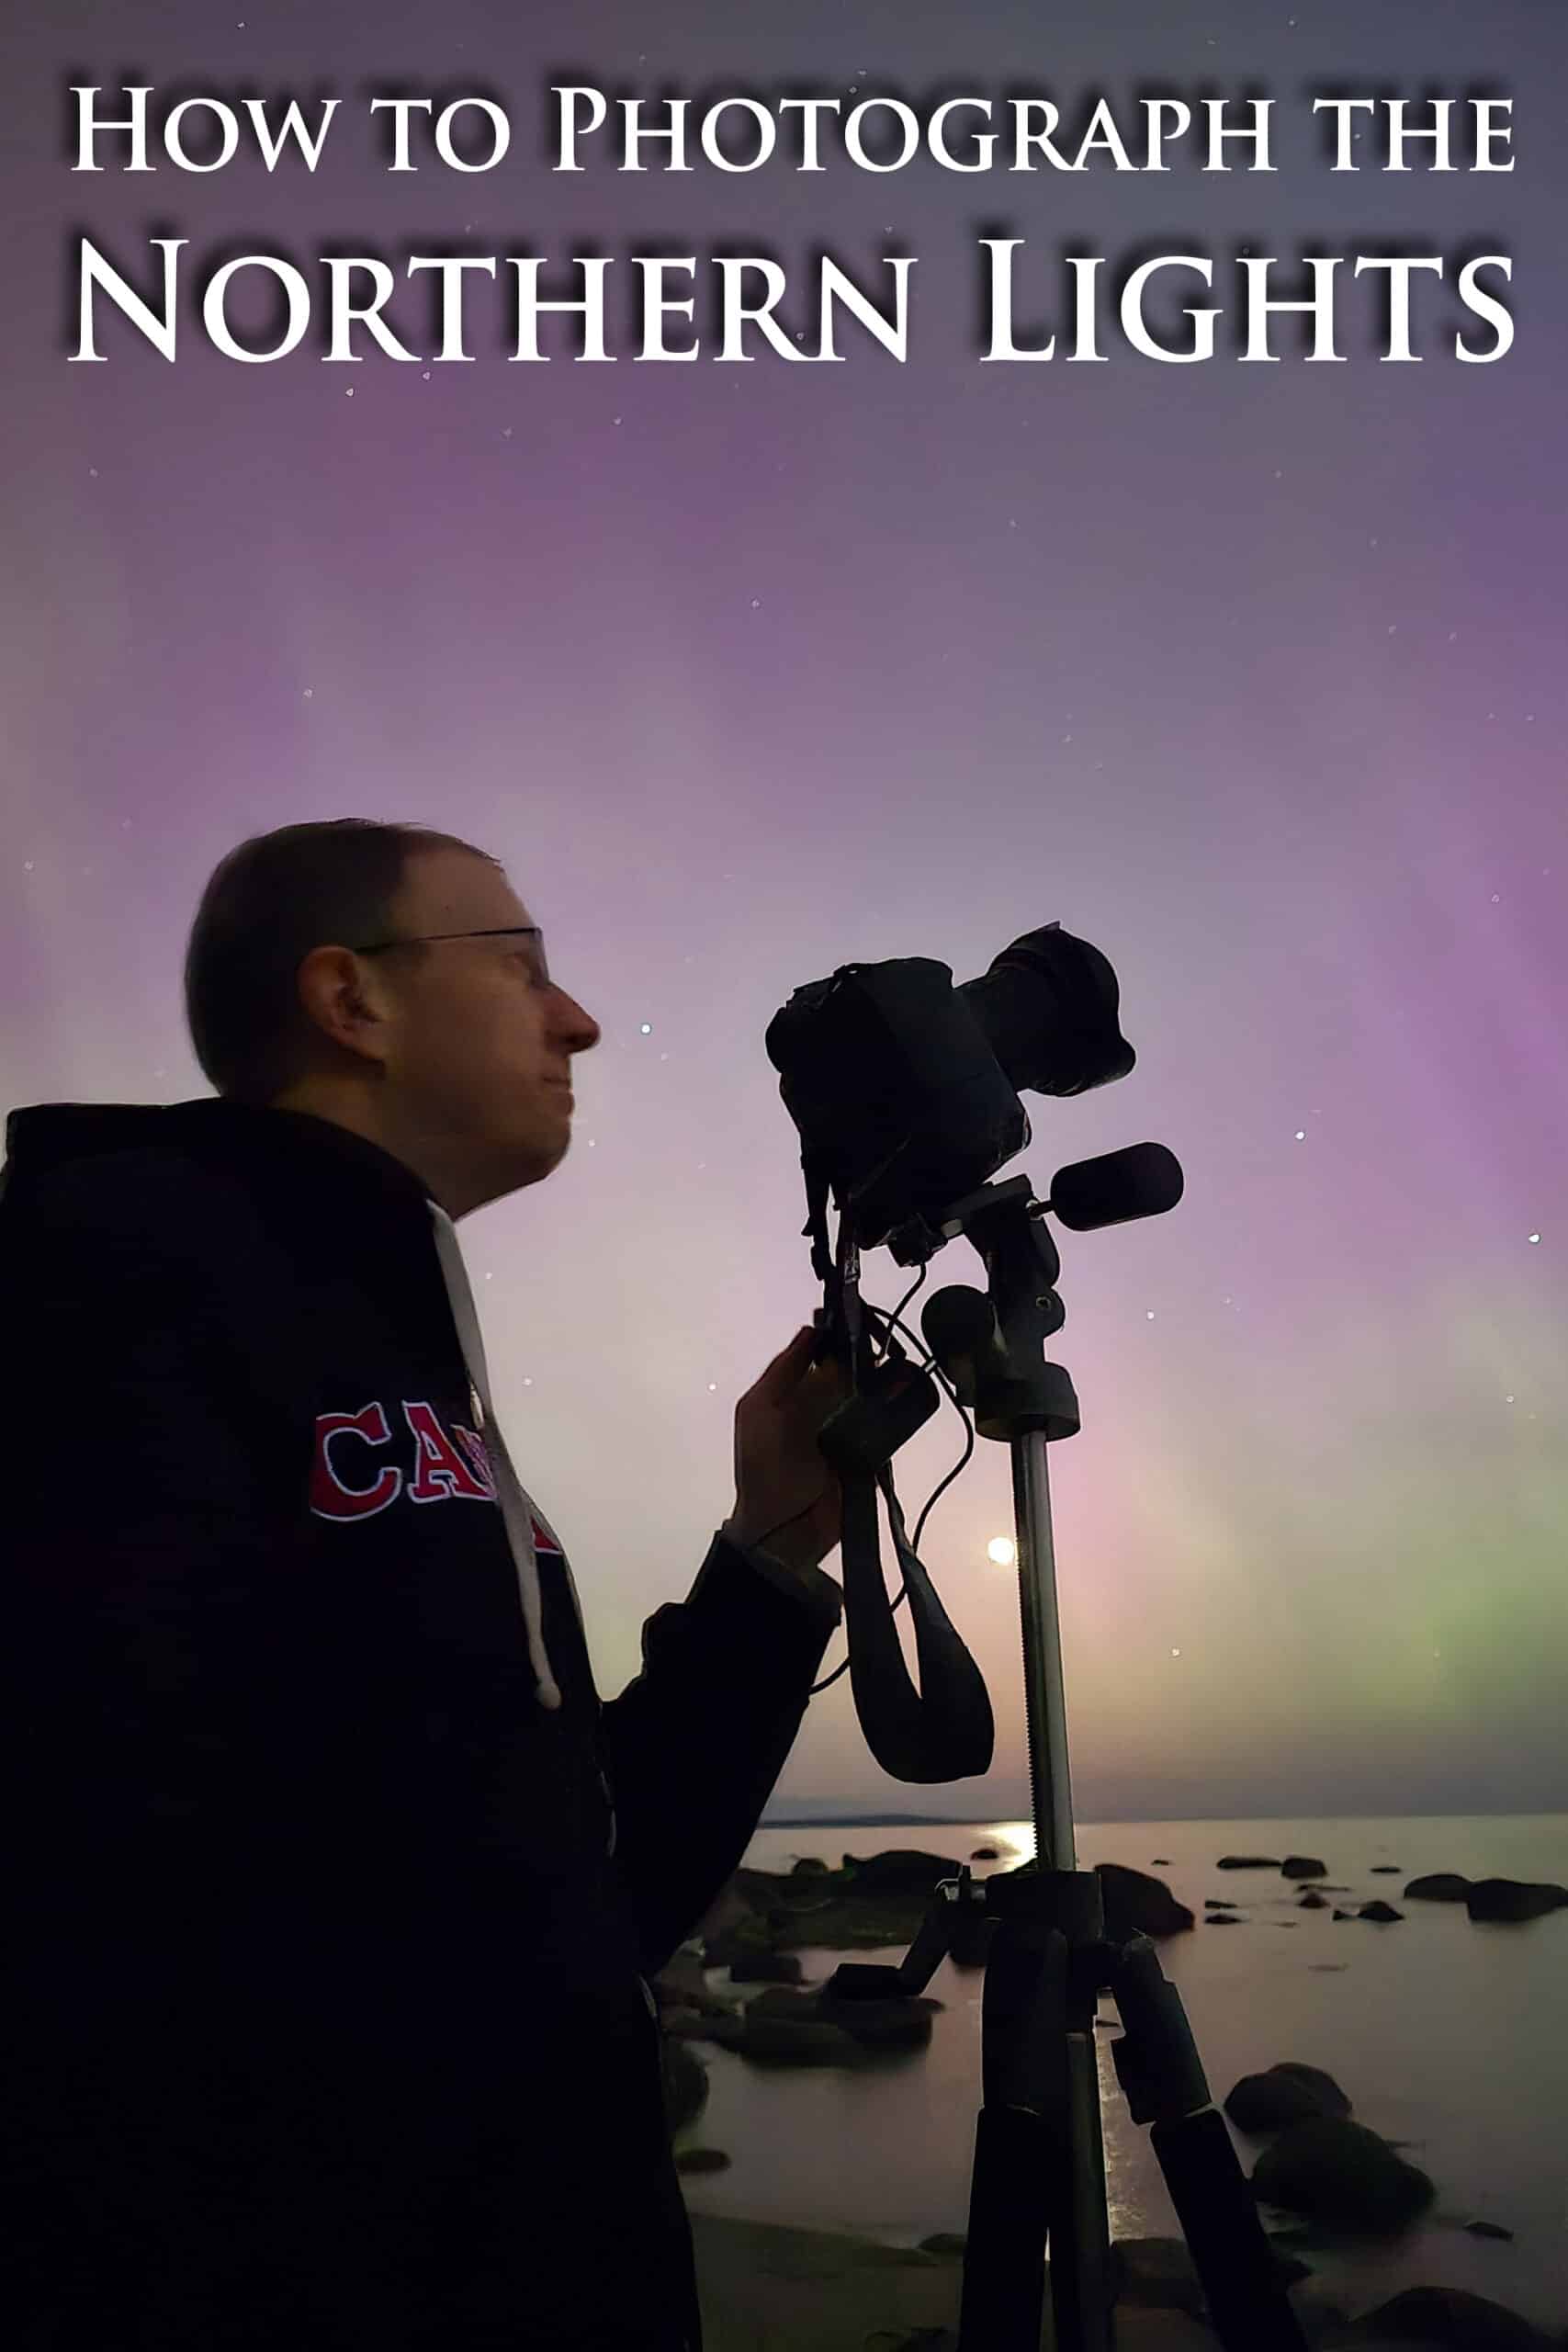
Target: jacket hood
pixel 45 1137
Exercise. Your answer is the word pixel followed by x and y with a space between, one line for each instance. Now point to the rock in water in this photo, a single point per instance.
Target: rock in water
pixel 1159 2274
pixel 1339 2173
pixel 1303 1866
pixel 681 1985
pixel 782 2041
pixel 748 1939
pixel 1437 1886
pixel 1137 1905
pixel 903 2021
pixel 1287 2093
pixel 1379 1910
pixel 900 1871
pixel 765 1968
pixel 1513 1899
pixel 685 2084
pixel 1247 1863
pixel 1448 2317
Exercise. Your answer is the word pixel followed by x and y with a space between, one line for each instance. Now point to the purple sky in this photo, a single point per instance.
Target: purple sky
pixel 1252 675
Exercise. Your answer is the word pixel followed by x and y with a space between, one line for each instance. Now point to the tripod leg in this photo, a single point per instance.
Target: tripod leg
pixel 1248 2303
pixel 1159 2069
pixel 1041 2102
pixel 1081 2256
pixel 1004 2254
pixel 1015 2186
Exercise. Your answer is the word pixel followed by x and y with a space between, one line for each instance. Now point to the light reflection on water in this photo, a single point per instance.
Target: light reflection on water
pixel 1442 2033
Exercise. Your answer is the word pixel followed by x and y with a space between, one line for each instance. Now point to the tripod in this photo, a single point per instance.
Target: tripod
pixel 1039 2168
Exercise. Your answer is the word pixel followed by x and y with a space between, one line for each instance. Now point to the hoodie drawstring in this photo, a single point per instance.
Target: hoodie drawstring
pixel 516 1508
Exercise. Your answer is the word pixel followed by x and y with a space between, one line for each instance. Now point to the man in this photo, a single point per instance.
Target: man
pixel 333 1885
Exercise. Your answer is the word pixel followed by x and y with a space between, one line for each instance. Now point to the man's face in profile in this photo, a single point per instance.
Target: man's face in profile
pixel 478 1041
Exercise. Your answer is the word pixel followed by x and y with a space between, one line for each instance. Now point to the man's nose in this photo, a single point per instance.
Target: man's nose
pixel 581 1031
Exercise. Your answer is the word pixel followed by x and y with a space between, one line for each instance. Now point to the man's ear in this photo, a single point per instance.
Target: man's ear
pixel 340 996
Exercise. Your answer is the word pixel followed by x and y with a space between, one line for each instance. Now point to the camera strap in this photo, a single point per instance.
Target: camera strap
pixel 944 1731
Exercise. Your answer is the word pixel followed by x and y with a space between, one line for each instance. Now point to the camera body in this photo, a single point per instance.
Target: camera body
pixel 904 1088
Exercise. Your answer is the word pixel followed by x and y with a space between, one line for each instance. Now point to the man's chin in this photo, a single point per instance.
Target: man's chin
pixel 539 1154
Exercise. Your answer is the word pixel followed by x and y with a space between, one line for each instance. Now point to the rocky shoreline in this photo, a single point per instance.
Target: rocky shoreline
pixel 1320 2178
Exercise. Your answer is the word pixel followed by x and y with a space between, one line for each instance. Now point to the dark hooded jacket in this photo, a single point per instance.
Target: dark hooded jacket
pixel 327 1943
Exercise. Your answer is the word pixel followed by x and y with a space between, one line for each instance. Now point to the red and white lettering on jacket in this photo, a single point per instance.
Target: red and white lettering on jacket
pixel 440 1471
pixel 331 1495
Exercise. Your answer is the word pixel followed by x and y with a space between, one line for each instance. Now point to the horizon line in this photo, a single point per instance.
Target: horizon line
pixel 1172 1821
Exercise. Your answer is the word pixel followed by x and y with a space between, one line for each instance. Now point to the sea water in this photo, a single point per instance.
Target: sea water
pixel 1446 2034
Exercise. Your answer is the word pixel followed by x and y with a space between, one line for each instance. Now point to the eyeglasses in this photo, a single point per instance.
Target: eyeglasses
pixel 509 931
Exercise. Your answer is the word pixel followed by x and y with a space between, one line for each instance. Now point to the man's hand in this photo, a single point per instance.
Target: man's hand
pixel 786 1496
